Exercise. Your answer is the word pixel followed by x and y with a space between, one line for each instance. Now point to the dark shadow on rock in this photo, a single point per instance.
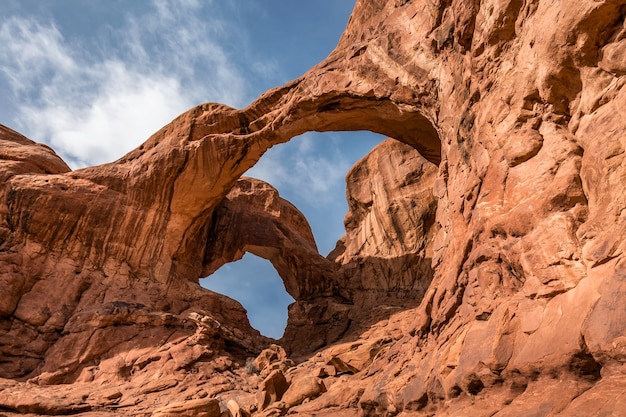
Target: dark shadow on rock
pixel 319 322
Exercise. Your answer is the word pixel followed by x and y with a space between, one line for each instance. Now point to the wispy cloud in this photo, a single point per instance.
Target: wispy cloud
pixel 93 102
pixel 310 168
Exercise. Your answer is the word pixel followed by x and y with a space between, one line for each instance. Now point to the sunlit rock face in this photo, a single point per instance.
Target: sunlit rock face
pixel 382 264
pixel 482 270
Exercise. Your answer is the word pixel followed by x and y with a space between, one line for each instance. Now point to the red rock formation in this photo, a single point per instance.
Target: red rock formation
pixel 383 261
pixel 61 290
pixel 253 218
pixel 385 254
pixel 519 103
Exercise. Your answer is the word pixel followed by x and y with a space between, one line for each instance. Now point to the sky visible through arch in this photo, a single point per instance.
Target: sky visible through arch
pixel 94 79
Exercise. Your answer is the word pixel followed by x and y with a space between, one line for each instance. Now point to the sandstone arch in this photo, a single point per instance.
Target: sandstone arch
pixel 147 215
pixel 525 310
pixel 389 227
pixel 253 218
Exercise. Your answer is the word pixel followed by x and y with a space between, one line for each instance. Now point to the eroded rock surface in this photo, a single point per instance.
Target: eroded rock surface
pixel 487 278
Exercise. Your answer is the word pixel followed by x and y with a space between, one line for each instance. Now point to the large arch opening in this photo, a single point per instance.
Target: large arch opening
pixel 310 172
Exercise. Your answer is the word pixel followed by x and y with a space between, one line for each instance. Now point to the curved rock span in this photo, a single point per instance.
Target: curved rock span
pixel 482 270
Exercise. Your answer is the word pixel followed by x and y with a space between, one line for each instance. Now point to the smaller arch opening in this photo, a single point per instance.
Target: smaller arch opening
pixel 255 284
pixel 310 173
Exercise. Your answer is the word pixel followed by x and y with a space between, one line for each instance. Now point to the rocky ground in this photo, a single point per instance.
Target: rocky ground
pixel 482 271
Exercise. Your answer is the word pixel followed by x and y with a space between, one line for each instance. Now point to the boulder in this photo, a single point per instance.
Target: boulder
pixel 207 407
pixel 301 389
pixel 271 389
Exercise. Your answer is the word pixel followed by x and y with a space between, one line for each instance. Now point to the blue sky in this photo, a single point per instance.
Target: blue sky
pixel 94 79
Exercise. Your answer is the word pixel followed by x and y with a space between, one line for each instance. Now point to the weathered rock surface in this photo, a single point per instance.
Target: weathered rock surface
pixel 253 218
pixel 383 261
pixel 488 279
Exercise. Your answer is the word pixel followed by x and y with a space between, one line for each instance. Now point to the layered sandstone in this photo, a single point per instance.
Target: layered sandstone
pixel 496 264
pixel 383 262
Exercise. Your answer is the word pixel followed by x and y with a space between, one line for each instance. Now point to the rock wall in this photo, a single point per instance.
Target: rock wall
pixel 66 303
pixel 510 273
pixel 382 263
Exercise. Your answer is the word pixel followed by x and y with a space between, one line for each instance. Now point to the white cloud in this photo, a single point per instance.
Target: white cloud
pixel 167 9
pixel 30 50
pixel 95 102
pixel 310 168
pixel 127 110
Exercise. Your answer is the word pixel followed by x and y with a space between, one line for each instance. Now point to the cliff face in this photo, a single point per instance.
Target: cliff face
pixel 486 275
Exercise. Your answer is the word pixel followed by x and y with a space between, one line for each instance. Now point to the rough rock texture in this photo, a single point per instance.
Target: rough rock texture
pixel 62 291
pixel 253 218
pixel 385 255
pixel 383 261
pixel 500 293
